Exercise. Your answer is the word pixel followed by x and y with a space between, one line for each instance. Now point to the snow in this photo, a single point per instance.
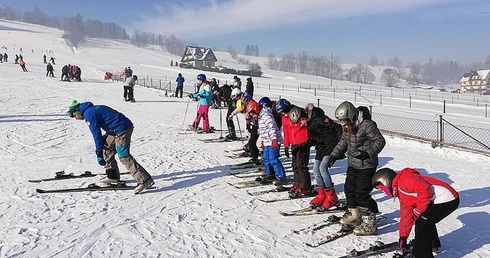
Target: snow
pixel 192 212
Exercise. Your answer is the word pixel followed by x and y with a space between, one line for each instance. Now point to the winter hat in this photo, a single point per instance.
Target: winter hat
pixel 74 108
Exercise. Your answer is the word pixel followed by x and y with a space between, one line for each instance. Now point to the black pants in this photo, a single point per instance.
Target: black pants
pixel 300 158
pixel 229 122
pixel 177 90
pixel 128 93
pixel 358 188
pixel 252 142
pixel 426 235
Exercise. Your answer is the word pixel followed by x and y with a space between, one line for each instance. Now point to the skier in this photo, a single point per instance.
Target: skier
pixel 215 100
pixel 180 85
pixel 117 138
pixel 129 88
pixel 271 140
pixel 44 59
pixel 204 96
pixel 49 70
pixel 5 57
pixel 225 94
pixel 249 87
pixel 236 94
pixel 363 142
pixel 237 83
pixel 129 71
pixel 23 65
pixel 324 134
pixel 295 130
pixel 423 200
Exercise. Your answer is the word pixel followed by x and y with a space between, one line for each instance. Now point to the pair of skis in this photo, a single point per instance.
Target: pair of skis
pixel 344 231
pixel 379 248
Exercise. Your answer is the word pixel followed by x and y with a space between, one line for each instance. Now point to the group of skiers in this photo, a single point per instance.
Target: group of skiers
pixel 71 73
pixel 424 201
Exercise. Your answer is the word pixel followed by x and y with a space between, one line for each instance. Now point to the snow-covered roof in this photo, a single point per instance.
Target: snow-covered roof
pixel 483 74
pixel 198 54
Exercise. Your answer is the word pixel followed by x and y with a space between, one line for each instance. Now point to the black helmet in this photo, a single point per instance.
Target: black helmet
pixel 383 176
pixel 346 111
pixel 294 114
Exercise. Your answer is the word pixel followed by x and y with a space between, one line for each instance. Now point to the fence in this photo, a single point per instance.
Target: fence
pixel 441 132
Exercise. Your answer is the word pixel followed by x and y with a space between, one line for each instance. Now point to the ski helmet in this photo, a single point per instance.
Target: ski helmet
pixel 201 77
pixel 265 101
pixel 294 115
pixel 346 111
pixel 253 106
pixel 383 176
pixel 241 105
pixel 235 92
pixel 283 106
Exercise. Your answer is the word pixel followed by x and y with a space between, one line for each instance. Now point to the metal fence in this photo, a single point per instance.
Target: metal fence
pixel 438 133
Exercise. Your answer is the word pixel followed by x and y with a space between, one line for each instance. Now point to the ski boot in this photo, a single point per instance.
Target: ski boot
pixel 368 225
pixel 350 217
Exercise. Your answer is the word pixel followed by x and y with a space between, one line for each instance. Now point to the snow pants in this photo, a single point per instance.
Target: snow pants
pixel 358 189
pixel 179 89
pixel 426 236
pixel 300 157
pixel 270 158
pixel 120 144
pixel 252 142
pixel 202 112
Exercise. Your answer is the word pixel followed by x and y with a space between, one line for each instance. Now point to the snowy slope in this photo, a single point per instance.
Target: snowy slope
pixel 193 212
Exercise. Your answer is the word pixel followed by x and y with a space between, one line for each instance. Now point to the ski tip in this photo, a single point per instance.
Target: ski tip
pixel 40 191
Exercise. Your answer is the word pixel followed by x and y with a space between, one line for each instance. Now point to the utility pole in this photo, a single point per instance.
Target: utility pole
pixel 331 69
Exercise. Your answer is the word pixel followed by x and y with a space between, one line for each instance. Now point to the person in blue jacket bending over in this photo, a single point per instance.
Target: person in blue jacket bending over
pixel 117 138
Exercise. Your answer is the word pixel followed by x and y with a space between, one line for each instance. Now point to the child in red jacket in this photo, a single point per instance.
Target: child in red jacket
pixel 295 130
pixel 423 200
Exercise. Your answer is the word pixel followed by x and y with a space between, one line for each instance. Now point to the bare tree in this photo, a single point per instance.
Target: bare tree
pixel 391 77
pixel 414 77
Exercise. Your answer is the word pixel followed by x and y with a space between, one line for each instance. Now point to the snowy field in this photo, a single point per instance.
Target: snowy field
pixel 192 212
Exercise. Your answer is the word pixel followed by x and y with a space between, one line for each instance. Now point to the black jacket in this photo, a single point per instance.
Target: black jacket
pixel 323 133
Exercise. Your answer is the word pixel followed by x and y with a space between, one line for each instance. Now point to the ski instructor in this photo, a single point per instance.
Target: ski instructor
pixel 117 138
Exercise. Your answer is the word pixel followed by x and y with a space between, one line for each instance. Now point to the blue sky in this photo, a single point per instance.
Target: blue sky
pixel 353 30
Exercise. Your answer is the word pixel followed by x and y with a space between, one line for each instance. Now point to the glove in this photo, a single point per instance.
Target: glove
pixel 402 243
pixel 362 155
pixel 100 158
pixel 275 146
pixel 331 160
pixel 416 214
pixel 286 152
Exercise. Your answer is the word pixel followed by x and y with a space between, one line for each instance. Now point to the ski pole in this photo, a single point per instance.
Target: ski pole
pixel 185 114
pixel 220 124
pixel 239 129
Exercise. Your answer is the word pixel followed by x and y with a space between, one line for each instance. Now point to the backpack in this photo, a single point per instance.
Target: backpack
pixel 366 115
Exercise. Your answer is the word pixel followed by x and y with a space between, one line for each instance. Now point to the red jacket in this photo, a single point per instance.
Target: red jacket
pixel 417 191
pixel 294 134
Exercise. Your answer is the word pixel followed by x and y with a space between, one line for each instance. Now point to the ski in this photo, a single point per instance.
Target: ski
pixel 344 231
pixel 280 199
pixel 222 139
pixel 251 173
pixel 379 248
pixel 340 206
pixel 239 155
pixel 248 164
pixel 331 220
pixel 273 190
pixel 62 176
pixel 91 188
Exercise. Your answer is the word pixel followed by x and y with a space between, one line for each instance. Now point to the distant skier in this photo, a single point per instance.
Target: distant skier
pixel 117 139
pixel 129 88
pixel 180 85
pixel 423 200
pixel 23 65
pixel 49 70
pixel 5 57
pixel 250 87
pixel 237 83
pixel 44 59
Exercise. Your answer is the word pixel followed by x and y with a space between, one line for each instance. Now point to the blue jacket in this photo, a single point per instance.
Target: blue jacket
pixel 105 118
pixel 180 81
pixel 204 94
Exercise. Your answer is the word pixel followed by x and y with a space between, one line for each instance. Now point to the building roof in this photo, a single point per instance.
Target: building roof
pixel 198 54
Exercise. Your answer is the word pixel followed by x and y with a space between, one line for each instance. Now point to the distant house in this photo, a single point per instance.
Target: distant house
pixel 476 82
pixel 197 57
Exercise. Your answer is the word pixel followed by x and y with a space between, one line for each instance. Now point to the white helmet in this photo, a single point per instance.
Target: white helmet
pixel 236 92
